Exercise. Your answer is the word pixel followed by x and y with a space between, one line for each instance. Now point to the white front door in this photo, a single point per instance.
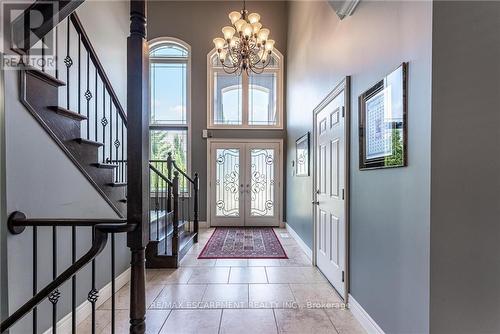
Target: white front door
pixel 330 191
pixel 244 184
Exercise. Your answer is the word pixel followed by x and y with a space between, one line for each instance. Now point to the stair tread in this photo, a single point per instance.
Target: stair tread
pixel 118 184
pixel 104 165
pixel 88 142
pixel 68 113
pixel 45 75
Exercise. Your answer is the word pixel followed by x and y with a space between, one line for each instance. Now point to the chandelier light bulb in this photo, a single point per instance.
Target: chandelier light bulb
pixel 256 27
pixel 233 41
pixel 263 34
pixel 270 45
pixel 222 55
pixel 247 30
pixel 253 18
pixel 228 32
pixel 234 16
pixel 239 25
pixel 219 43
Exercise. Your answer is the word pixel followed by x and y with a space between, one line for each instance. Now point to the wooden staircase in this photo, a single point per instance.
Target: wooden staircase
pixel 172 230
pixel 40 95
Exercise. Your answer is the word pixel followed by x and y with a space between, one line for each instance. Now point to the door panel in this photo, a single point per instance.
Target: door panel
pixel 244 184
pixel 330 178
pixel 261 204
pixel 227 184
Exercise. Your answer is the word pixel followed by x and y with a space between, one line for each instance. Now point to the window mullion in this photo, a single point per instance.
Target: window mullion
pixel 245 98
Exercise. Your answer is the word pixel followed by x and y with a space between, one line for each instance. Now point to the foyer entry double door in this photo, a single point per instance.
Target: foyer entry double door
pixel 244 183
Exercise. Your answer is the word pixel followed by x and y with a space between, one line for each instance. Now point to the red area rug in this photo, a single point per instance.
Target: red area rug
pixel 243 243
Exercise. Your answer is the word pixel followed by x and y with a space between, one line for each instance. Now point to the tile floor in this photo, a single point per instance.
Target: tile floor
pixel 236 296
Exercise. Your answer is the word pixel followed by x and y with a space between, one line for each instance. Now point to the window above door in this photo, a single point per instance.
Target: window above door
pixel 245 101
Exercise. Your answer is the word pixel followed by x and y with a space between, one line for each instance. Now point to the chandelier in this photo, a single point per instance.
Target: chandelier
pixel 246 45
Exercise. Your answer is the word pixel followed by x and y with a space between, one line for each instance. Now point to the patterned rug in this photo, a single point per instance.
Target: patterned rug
pixel 243 243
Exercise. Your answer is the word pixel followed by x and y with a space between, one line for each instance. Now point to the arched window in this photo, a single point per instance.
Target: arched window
pixel 245 101
pixel 170 69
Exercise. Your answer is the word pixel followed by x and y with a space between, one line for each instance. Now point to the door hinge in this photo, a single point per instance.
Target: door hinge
pixel 343 194
pixel 343 112
pixel 342 276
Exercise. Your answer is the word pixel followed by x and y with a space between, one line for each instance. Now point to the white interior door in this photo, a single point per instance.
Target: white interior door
pixel 244 184
pixel 330 192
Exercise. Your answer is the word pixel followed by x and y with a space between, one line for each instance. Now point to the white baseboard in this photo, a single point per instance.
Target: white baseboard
pixel 363 317
pixel 85 309
pixel 301 243
pixel 203 224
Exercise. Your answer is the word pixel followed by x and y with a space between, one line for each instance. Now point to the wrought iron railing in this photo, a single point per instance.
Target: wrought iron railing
pixel 18 222
pixel 89 92
pixel 173 202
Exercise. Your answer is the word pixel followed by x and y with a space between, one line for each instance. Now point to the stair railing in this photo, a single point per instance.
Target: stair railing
pixel 89 93
pixel 189 186
pixel 101 228
pixel 161 225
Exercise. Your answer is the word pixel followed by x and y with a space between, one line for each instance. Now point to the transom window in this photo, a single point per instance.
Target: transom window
pixel 170 61
pixel 245 101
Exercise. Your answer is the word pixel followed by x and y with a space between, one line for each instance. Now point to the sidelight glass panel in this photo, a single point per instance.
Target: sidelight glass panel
pixel 168 93
pixel 262 99
pixel 227 99
pixel 262 203
pixel 227 182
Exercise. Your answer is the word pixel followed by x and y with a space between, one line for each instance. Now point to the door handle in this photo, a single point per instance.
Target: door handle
pixel 315 203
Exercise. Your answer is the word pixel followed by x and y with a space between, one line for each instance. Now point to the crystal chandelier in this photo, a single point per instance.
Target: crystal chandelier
pixel 246 45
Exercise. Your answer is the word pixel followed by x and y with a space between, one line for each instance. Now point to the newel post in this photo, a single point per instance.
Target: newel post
pixel 138 159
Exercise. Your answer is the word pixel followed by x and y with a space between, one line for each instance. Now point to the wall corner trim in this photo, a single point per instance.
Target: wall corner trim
pixel 299 240
pixel 85 309
pixel 363 317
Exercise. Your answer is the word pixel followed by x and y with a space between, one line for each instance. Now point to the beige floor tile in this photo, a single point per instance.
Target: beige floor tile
pixel 271 296
pixel 192 322
pixel 231 263
pixel 300 321
pixel 296 261
pixel 179 296
pixel 226 296
pixel 155 320
pixel 102 319
pixel 209 275
pixel 122 323
pixel 122 297
pixel 344 321
pixel 193 261
pixel 172 276
pixel 294 275
pixel 248 321
pixel 264 262
pixel 248 275
pixel 320 295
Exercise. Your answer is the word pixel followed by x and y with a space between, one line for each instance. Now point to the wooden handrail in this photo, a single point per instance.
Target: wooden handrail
pixel 160 174
pixel 97 63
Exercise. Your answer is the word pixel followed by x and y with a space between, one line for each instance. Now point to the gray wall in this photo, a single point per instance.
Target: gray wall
pixel 198 23
pixel 42 182
pixel 389 240
pixel 465 191
pixel 4 297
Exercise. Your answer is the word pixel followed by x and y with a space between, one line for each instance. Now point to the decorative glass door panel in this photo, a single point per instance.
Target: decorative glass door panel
pixel 262 182
pixel 227 182
pixel 244 184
